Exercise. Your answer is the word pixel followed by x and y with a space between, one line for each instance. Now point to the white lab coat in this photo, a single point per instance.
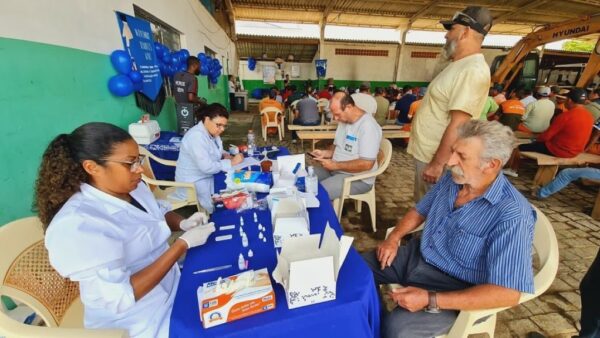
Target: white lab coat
pixel 200 157
pixel 99 241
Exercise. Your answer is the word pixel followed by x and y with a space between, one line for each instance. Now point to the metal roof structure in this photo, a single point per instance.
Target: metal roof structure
pixel 511 17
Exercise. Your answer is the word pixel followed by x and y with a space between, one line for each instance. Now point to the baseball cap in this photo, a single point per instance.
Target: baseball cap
pixel 365 102
pixel 577 95
pixel 562 93
pixel 478 18
pixel 544 91
pixel 422 91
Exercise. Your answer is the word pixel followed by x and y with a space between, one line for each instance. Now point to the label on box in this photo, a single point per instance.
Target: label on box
pixel 235 297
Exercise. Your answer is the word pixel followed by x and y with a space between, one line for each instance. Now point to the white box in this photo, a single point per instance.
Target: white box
pixel 235 297
pixel 283 168
pixel 309 273
pixel 289 219
pixel 144 133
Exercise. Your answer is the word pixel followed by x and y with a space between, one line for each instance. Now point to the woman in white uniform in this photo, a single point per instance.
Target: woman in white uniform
pixel 201 154
pixel 105 230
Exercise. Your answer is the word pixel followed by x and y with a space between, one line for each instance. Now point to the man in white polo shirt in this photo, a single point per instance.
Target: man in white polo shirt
pixel 356 145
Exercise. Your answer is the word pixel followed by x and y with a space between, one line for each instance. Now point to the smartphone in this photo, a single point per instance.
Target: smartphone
pixel 311 155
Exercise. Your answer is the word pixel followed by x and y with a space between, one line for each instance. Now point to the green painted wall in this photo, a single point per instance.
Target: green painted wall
pixel 250 85
pixel 47 90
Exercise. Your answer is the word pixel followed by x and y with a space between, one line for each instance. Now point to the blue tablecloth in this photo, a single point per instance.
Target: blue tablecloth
pixel 354 313
pixel 165 147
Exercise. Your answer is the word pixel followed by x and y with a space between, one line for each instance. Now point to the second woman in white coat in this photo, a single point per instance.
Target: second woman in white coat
pixel 201 155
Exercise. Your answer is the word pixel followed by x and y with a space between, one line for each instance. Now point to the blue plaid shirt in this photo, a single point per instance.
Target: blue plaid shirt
pixel 486 241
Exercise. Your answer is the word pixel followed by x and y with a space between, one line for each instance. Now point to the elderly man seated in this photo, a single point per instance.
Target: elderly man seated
pixel 475 251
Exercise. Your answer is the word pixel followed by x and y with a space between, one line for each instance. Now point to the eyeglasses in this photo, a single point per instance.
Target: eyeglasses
pixel 220 125
pixel 133 165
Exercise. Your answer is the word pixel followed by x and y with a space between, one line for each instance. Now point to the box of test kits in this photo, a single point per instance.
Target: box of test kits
pixel 308 271
pixel 235 297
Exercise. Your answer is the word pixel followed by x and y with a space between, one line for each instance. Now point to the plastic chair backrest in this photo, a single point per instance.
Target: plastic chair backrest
pixel 384 156
pixel 271 113
pixel 26 273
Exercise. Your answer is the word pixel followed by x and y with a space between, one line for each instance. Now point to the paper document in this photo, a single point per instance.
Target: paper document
pixel 248 161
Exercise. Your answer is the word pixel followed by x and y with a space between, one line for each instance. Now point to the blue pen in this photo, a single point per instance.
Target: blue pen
pixel 296 168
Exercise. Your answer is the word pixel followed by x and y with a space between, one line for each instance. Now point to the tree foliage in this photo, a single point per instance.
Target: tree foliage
pixel 578 46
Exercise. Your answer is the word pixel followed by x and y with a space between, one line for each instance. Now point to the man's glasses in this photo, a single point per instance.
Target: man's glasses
pixel 133 165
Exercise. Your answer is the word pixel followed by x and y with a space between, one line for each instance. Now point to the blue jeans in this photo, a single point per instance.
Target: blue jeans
pixel 567 176
pixel 410 269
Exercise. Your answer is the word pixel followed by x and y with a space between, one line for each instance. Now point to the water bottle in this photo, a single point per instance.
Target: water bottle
pixel 251 144
pixel 311 181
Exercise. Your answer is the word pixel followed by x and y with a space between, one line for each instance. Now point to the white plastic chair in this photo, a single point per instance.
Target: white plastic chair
pixel 546 247
pixel 165 190
pixel 291 110
pixel 274 118
pixel 383 160
pixel 27 277
pixel 323 105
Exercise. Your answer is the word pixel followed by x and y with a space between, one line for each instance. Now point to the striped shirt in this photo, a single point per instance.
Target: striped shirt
pixel 486 241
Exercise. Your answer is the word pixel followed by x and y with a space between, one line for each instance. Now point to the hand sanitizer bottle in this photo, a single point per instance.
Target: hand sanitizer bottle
pixel 311 181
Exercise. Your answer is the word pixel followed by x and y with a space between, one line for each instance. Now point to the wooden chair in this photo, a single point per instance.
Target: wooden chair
pixel 165 190
pixel 27 277
pixel 271 117
pixel 383 160
pixel 484 321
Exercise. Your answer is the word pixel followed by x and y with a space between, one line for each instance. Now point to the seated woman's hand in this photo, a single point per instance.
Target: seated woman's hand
pixel 193 221
pixel 198 235
pixel 238 158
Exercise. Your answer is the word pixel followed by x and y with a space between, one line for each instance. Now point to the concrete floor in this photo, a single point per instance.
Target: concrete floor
pixel 556 313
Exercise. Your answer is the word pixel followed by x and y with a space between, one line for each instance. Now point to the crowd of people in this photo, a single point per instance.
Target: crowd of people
pixel 476 248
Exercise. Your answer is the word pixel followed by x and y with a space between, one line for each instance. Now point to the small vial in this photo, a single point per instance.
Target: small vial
pixel 260 235
pixel 244 240
pixel 241 221
pixel 250 253
pixel 264 239
pixel 255 217
pixel 241 262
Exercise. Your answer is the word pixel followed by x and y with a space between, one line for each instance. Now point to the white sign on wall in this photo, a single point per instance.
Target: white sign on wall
pixel 269 74
pixel 295 70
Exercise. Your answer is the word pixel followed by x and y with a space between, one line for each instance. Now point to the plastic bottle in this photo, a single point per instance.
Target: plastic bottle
pixel 241 262
pixel 251 142
pixel 311 181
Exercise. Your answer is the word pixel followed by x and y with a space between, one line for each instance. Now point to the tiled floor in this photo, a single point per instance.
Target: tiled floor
pixel 556 313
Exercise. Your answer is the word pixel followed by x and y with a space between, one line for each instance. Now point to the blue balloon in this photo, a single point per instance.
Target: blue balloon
pixel 185 53
pixel 171 70
pixel 204 69
pixel 121 61
pixel 182 68
pixel 120 85
pixel 136 77
pixel 166 57
pixel 251 63
pixel 202 57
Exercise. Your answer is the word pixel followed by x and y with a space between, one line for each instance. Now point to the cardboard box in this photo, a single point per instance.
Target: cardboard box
pixel 283 168
pixel 144 132
pixel 289 218
pixel 235 297
pixel 309 273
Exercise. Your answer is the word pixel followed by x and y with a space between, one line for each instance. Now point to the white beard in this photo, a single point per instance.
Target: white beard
pixel 448 50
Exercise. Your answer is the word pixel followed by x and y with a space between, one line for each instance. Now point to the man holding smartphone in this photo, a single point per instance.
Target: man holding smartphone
pixel 355 147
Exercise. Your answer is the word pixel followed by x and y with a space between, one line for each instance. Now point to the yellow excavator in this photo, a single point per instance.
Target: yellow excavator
pixel 509 66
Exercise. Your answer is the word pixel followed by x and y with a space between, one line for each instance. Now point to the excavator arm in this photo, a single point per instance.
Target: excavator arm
pixel 550 33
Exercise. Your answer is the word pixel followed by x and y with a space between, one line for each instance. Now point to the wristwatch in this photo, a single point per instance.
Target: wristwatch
pixel 432 306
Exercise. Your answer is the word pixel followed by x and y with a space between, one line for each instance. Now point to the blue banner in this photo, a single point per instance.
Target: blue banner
pixel 321 66
pixel 139 43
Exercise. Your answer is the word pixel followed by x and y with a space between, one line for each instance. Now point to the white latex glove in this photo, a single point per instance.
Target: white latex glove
pixel 193 221
pixel 198 235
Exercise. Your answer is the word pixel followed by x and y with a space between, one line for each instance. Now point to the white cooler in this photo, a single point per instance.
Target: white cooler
pixel 146 132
